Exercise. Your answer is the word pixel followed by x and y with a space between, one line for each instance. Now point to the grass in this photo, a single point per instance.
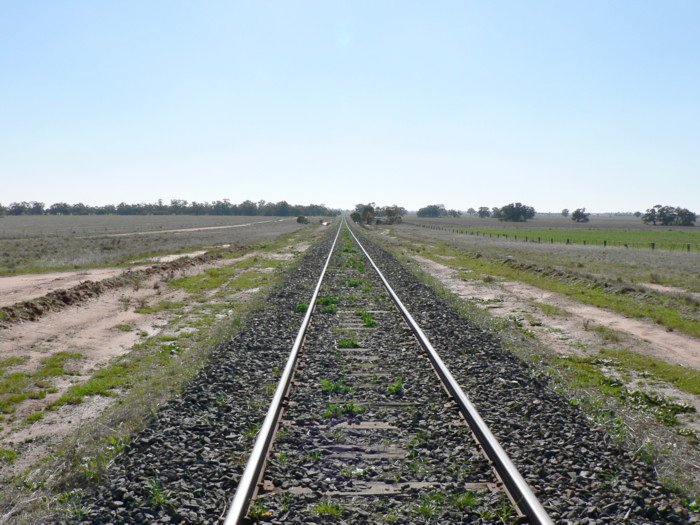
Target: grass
pixel 664 238
pixel 348 343
pixel 158 496
pixel 328 304
pixel 683 378
pixel 651 306
pixel 335 387
pixel 550 309
pixel 124 327
pixel 301 308
pixel 258 510
pixel 36 244
pixel 210 279
pixel 466 501
pixel 7 455
pixel 586 373
pixel 609 334
pixel 328 509
pixel 16 387
pixel 367 319
pixel 395 388
pixel 162 306
pixel 345 409
pixel 356 263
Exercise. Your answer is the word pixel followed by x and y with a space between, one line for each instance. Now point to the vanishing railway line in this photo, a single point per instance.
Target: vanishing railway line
pixel 366 430
pixel 367 434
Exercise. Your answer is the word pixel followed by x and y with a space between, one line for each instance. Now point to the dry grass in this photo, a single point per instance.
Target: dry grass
pixel 31 244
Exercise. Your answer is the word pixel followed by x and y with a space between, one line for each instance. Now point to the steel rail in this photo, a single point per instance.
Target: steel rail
pixel 518 488
pixel 246 486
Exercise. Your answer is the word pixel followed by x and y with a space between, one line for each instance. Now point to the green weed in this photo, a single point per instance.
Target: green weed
pixel 328 509
pixel 7 455
pixel 345 409
pixel 348 343
pixel 367 318
pixel 395 388
pixel 335 387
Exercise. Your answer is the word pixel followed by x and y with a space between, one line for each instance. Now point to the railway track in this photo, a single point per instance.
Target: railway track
pixel 367 423
pixel 367 435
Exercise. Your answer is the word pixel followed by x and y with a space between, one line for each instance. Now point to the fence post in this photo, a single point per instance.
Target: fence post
pixel 584 242
pixel 653 245
pixel 539 240
pixel 567 241
pixel 605 243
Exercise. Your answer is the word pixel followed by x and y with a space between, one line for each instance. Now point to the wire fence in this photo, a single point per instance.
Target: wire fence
pixel 558 239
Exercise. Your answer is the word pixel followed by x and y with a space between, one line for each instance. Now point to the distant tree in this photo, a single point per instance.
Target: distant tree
pixel 432 210
pixel 246 207
pixel 484 212
pixel 2 210
pixel 565 212
pixel 685 217
pixel 638 214
pixel 59 208
pixel 80 209
pixel 178 206
pixel 669 216
pixel 580 215
pixel 36 208
pixel 471 211
pixel 496 212
pixel 18 208
pixel 454 213
pixel 356 216
pixel 515 212
pixel 392 214
pixel 366 212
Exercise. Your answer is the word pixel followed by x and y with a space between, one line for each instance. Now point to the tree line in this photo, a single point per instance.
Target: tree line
pixel 518 212
pixel 175 207
pixel 514 212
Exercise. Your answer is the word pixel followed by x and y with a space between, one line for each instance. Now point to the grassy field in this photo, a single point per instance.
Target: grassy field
pixel 614 231
pixel 31 244
pixel 658 267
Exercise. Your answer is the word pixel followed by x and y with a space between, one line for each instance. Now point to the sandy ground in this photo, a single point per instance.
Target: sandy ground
pixel 18 288
pixel 574 333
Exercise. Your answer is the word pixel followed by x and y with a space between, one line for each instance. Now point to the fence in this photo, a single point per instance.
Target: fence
pixel 686 247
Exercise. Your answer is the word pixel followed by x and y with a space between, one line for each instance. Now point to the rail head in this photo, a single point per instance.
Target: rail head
pixel 518 488
pixel 246 486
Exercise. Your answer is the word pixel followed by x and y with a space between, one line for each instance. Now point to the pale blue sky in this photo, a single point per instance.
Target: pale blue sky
pixel 552 103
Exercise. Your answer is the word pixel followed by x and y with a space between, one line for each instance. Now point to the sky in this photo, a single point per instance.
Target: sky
pixel 556 104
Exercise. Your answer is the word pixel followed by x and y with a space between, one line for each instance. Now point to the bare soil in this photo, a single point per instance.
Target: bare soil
pixel 18 288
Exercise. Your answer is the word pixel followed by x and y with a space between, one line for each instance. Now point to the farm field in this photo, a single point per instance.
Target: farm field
pixel 610 231
pixel 595 320
pixel 79 379
pixel 30 244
